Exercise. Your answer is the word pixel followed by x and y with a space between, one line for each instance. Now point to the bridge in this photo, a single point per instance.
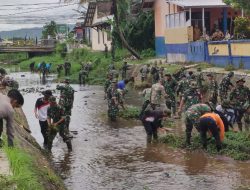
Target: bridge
pixel 32 49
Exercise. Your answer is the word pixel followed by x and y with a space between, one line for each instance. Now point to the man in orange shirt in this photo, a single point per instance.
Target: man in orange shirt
pixel 213 123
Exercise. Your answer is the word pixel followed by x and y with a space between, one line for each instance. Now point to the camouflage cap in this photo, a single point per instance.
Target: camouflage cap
pixel 52 99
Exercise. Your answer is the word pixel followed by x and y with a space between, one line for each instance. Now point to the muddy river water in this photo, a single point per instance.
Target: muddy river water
pixel 115 155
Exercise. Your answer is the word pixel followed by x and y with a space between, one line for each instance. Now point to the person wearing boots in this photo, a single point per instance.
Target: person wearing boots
pixel 56 122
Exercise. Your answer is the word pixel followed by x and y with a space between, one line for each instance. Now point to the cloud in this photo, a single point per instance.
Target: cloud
pixel 16 14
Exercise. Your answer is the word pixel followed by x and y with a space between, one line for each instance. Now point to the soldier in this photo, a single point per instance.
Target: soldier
pixel 212 89
pixel 106 50
pixel 200 79
pixel 11 83
pixel 183 85
pixel 107 84
pixel 191 97
pixel 82 77
pixel 146 95
pixel 113 50
pixel 192 116
pixel 67 67
pixel 144 72
pixel 56 122
pixel 155 73
pixel 158 96
pixel 179 74
pixel 225 86
pixel 170 86
pixel 113 97
pixel 59 68
pixel 124 70
pixel 240 99
pixel 66 99
pixel 161 72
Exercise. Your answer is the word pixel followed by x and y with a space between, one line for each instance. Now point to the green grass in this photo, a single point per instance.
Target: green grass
pixel 22 166
pixel 27 174
pixel 235 145
pixel 12 57
pixel 130 112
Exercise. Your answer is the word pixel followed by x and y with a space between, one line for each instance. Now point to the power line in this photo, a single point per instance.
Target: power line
pixel 38 10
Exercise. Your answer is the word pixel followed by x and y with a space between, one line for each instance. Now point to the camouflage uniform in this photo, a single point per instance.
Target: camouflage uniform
pixel 82 76
pixel 124 70
pixel 155 74
pixel 170 86
pixel 56 113
pixel 224 87
pixel 158 96
pixel 192 116
pixel 199 79
pixel 179 74
pixel 66 100
pixel 191 97
pixel 239 97
pixel 67 67
pixel 213 91
pixel 113 102
pixel 144 72
pixel 183 85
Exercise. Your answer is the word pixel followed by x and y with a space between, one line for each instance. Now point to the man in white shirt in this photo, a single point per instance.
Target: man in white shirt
pixel 14 99
pixel 41 108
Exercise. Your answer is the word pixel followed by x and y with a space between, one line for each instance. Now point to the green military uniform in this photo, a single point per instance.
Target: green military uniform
pixel 56 113
pixel 199 79
pixel 183 85
pixel 67 67
pixel 170 88
pixel 213 90
pixel 113 97
pixel 224 86
pixel 192 116
pixel 82 76
pixel 239 98
pixel 191 96
pixel 66 100
pixel 124 70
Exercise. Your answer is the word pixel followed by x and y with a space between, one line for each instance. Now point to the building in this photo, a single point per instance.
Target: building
pixel 97 24
pixel 180 24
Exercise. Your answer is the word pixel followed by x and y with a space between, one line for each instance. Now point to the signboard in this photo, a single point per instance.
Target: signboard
pixel 62 28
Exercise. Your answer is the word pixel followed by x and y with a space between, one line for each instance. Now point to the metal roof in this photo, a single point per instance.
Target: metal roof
pixel 198 3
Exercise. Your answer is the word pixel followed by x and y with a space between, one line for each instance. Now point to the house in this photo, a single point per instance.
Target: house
pixel 177 23
pixel 97 24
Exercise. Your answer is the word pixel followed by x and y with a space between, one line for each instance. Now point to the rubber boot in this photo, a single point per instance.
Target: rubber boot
pixel 69 145
pixel 240 126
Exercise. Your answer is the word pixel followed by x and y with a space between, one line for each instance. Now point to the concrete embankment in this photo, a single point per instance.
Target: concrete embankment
pixel 29 166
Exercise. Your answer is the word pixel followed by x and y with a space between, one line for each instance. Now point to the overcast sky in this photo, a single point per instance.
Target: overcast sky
pixel 16 14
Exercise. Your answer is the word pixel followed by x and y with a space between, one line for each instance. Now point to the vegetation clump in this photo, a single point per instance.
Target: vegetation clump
pixel 235 145
pixel 131 112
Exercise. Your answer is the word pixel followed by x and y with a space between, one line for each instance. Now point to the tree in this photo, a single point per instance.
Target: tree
pixel 245 4
pixel 49 30
pixel 117 26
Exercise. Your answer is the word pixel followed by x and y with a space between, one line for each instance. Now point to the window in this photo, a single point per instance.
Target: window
pixel 176 20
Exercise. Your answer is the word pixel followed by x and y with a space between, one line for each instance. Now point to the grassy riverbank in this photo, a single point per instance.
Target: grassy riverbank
pixel 27 174
pixel 235 145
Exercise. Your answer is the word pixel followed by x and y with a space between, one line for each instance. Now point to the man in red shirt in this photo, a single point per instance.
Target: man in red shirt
pixel 41 108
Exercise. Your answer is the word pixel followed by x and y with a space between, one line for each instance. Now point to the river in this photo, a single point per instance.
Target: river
pixel 115 155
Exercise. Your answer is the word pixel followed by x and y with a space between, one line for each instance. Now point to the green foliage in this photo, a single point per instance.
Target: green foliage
pixel 230 67
pixel 49 29
pixel 12 57
pixel 22 166
pixel 242 29
pixel 138 30
pixel 239 3
pixel 235 145
pixel 147 53
pixel 61 49
pixel 130 112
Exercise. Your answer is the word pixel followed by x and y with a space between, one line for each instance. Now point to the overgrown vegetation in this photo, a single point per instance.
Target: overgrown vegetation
pixel 12 57
pixel 131 112
pixel 242 29
pixel 235 145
